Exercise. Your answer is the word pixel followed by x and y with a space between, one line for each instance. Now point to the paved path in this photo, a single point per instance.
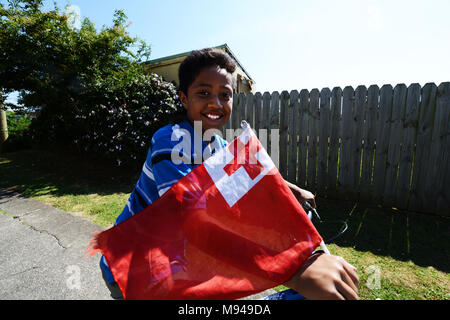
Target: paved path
pixel 42 253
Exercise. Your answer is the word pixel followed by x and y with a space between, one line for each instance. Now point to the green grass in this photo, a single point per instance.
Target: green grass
pixel 406 251
pixel 92 190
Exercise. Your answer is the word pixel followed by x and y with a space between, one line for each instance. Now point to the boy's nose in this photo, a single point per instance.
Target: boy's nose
pixel 214 102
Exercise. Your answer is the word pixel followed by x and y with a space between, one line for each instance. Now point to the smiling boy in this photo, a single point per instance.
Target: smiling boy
pixel 206 93
pixel 209 98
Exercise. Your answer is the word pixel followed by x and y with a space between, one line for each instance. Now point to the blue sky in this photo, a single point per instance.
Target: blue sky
pixel 300 44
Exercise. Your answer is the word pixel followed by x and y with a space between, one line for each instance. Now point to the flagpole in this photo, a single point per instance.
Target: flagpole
pixel 310 207
pixel 324 247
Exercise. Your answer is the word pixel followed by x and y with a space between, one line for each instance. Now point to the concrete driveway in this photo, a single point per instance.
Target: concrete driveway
pixel 42 253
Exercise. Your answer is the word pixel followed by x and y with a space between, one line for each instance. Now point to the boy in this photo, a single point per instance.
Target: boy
pixel 206 93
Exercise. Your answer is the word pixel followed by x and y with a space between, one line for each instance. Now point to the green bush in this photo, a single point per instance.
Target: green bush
pixel 114 120
pixel 18 132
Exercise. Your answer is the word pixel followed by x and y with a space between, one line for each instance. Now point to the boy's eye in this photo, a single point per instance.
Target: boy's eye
pixel 226 95
pixel 203 93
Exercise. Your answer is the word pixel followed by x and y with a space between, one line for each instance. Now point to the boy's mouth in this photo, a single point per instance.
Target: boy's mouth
pixel 213 116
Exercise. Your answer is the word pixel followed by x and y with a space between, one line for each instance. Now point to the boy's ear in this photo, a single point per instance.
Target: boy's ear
pixel 183 99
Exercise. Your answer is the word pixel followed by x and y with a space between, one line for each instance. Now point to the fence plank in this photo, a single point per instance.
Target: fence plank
pixel 440 144
pixel 443 204
pixel 357 125
pixel 324 133
pixel 303 137
pixel 418 200
pixel 266 111
pixel 382 142
pixel 249 106
pixel 369 136
pixel 407 151
pixel 335 134
pixel 242 107
pixel 344 177
pixel 235 113
pixel 228 125
pixel 258 112
pixel 396 135
pixel 275 125
pixel 312 142
pixel 265 122
pixel 293 117
pixel 284 105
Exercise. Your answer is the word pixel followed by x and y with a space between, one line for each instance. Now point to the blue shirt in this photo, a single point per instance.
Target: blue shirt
pixel 175 150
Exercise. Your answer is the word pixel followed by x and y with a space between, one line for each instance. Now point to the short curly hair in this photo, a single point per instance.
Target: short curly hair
pixel 199 59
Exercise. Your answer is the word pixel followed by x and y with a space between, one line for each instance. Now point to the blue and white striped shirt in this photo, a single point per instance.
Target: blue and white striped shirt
pixel 160 172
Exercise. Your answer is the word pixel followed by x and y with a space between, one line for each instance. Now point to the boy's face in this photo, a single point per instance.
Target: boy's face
pixel 209 98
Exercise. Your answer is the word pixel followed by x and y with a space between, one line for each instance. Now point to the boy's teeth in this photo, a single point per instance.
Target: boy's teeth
pixel 212 116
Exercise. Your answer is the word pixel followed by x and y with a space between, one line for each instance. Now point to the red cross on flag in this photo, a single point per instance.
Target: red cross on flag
pixel 228 229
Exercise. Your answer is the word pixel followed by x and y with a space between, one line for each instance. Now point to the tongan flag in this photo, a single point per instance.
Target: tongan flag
pixel 228 229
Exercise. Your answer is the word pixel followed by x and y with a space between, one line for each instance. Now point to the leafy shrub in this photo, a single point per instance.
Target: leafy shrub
pixel 114 120
pixel 18 132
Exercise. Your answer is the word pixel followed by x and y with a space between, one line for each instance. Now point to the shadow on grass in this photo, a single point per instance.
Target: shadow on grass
pixel 402 235
pixel 34 172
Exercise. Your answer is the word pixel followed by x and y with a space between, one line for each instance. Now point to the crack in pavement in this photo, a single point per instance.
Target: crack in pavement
pixel 19 273
pixel 39 230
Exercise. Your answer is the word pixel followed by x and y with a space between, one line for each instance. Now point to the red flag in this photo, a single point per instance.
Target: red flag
pixel 228 229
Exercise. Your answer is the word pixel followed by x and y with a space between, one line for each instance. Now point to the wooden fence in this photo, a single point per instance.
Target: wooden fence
pixel 385 146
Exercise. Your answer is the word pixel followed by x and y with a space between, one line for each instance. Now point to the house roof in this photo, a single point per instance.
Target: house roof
pixel 223 47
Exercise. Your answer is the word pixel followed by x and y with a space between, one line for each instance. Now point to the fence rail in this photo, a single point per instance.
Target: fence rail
pixel 387 146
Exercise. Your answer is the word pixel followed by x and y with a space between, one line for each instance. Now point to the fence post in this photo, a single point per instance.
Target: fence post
pixel 3 123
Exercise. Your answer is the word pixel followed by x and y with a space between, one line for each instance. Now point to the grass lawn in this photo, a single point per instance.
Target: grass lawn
pixel 399 255
pixel 91 190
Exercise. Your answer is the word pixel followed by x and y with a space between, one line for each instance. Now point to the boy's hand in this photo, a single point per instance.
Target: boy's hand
pixel 324 276
pixel 302 194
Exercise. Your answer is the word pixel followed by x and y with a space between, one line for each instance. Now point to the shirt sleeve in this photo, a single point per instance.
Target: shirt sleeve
pixel 169 160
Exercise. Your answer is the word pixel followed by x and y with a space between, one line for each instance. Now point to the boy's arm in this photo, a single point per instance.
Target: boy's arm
pixel 302 194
